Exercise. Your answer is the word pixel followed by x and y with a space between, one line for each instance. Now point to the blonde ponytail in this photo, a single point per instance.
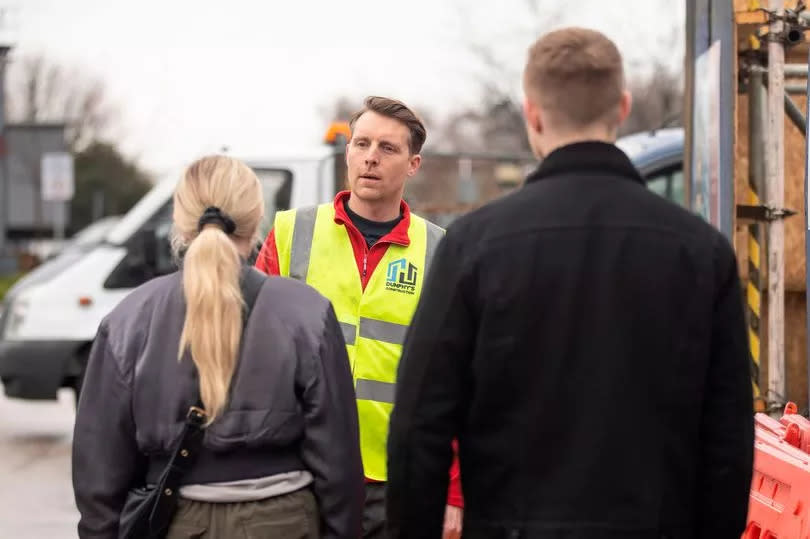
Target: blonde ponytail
pixel 212 264
pixel 213 327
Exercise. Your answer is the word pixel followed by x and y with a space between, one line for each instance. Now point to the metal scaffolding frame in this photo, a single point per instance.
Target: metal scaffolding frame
pixel 769 102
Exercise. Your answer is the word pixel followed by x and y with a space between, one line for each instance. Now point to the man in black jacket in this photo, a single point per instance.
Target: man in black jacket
pixel 584 340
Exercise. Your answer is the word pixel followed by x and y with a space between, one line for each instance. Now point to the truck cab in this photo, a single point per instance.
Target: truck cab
pixel 49 320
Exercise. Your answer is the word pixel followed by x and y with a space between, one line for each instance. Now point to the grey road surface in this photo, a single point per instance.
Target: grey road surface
pixel 36 497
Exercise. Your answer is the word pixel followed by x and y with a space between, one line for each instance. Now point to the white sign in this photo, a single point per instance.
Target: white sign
pixel 57 176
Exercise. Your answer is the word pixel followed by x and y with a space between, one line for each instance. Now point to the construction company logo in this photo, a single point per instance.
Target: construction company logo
pixel 401 277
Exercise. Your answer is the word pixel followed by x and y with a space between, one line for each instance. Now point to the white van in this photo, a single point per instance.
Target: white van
pixel 48 323
pixel 49 319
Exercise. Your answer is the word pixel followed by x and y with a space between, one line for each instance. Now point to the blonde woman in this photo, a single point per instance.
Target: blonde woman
pixel 279 453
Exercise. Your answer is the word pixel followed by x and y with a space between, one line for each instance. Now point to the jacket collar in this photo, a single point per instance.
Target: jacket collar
pixel 398 235
pixel 584 158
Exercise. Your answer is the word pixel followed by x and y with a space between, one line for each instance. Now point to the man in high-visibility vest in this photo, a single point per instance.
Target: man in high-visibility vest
pixel 369 255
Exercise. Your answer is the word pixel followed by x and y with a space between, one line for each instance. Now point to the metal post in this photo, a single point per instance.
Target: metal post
pixel 795 70
pixel 807 233
pixel 59 213
pixel 795 114
pixel 4 179
pixel 756 184
pixel 775 197
pixel 692 40
pixel 722 32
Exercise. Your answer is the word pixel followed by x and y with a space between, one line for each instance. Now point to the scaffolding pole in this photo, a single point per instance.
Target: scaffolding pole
pixel 795 114
pixel 775 198
pixel 757 102
pixel 807 232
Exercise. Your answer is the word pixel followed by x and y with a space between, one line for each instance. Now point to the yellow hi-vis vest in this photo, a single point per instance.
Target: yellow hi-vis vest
pixel 314 249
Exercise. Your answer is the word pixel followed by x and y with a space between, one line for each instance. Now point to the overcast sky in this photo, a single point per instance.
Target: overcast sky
pixel 190 76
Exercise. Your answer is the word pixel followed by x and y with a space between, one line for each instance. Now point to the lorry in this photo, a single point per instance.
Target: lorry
pixel 48 323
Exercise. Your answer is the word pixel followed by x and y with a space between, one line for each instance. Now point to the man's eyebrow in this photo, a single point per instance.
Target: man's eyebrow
pixel 390 142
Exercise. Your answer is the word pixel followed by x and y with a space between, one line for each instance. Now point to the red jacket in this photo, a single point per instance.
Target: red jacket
pixel 367 260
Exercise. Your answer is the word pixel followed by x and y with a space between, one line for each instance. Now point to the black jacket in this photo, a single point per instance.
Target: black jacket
pixel 584 339
pixel 292 404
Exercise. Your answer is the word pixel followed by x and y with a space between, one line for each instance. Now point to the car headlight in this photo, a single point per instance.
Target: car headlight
pixel 16 311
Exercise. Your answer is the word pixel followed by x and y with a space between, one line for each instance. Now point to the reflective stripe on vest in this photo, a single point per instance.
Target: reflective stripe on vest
pixel 375 391
pixel 301 242
pixel 314 249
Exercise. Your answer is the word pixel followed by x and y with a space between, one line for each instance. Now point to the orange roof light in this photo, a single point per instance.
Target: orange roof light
pixel 336 129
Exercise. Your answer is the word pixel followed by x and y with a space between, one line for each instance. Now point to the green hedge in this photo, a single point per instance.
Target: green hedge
pixel 6 281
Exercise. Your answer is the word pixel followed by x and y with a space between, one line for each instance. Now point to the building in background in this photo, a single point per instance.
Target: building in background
pixel 28 216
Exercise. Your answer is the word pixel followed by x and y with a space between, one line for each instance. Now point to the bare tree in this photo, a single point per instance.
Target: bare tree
pixel 43 91
pixel 657 100
pixel 658 94
pixel 496 122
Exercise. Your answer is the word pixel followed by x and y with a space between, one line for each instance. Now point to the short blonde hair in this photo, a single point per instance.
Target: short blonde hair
pixel 576 76
pixel 212 265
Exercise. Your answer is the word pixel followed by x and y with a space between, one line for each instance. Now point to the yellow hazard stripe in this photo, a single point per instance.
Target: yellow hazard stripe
pixel 753 298
pixel 753 251
pixel 754 295
pixel 753 342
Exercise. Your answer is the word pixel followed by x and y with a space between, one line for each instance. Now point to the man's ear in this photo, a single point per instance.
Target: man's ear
pixel 414 163
pixel 534 118
pixel 625 106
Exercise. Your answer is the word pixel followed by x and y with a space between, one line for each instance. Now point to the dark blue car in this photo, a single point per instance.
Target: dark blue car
pixel 659 157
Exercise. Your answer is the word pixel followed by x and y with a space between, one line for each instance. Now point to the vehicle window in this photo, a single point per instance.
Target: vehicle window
pixel 678 188
pixel 149 253
pixel 277 189
pixel 669 184
pixel 658 185
pixel 163 257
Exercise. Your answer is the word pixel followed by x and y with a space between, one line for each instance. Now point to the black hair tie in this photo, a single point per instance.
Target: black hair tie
pixel 214 216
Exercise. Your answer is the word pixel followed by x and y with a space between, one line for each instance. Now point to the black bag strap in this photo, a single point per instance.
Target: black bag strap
pixel 190 443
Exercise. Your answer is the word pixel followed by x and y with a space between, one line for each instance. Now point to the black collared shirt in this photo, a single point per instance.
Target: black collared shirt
pixel 584 339
pixel 584 157
pixel 372 231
